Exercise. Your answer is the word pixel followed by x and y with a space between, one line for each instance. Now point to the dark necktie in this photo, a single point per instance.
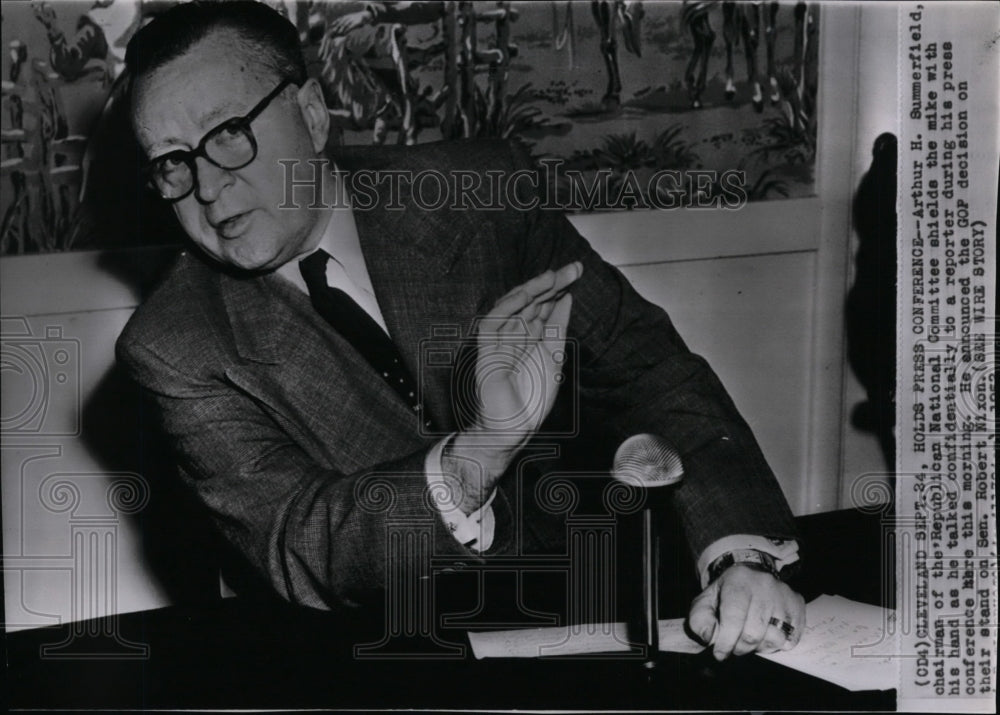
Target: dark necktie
pixel 359 329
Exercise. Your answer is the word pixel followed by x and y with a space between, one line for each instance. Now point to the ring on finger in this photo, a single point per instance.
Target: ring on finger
pixel 787 628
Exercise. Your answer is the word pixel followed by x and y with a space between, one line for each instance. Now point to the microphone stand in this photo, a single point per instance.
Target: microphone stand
pixel 649 462
pixel 650 588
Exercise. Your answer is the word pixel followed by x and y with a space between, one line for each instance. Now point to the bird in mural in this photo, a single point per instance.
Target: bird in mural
pixel 18 55
pixel 86 53
pixel 738 23
pixel 102 33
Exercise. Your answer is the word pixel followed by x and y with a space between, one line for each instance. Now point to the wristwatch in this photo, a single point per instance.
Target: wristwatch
pixel 752 558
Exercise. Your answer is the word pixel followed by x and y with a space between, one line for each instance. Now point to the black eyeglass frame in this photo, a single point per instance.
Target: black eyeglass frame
pixel 188 156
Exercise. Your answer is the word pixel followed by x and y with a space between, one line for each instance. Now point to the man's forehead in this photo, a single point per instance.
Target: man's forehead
pixel 211 82
pixel 165 117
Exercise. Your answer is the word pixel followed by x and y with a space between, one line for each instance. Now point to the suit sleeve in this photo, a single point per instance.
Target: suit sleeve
pixel 319 536
pixel 636 375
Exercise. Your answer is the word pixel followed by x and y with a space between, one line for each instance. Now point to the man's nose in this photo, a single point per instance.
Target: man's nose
pixel 210 180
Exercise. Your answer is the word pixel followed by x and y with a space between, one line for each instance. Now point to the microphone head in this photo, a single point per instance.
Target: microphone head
pixel 647 460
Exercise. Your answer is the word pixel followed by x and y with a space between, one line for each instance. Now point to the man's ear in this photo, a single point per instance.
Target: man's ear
pixel 314 113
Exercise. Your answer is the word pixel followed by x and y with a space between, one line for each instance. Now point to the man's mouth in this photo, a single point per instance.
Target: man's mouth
pixel 234 226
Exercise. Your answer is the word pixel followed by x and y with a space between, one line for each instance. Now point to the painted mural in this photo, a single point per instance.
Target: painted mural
pixel 610 88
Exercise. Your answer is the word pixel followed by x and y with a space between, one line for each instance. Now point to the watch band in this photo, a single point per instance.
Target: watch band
pixel 748 557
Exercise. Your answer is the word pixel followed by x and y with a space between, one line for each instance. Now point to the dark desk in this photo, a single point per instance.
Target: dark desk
pixel 237 653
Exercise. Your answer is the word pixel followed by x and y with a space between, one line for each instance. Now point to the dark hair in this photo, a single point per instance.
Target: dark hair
pixel 273 40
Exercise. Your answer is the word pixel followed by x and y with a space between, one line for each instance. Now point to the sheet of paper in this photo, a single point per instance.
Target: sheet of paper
pixel 575 640
pixel 844 643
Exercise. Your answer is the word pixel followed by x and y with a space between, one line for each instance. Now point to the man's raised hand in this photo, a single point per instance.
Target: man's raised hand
pixel 521 350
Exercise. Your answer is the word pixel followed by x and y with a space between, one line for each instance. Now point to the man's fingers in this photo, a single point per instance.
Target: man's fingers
pixel 510 304
pixel 564 278
pixel 526 322
pixel 542 287
pixel 532 310
pixel 779 634
pixel 530 321
pixel 559 316
pixel 750 612
pixel 511 312
pixel 733 607
pixel 774 638
pixel 786 626
pixel 755 626
pixel 797 619
pixel 775 621
pixel 702 617
pixel 545 310
pixel 534 300
pixel 548 284
pixel 523 295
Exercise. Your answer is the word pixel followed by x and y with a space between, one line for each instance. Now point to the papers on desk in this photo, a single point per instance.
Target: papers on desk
pixel 575 640
pixel 843 643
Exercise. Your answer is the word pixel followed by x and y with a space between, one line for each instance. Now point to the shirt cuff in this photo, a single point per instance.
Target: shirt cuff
pixel 784 551
pixel 475 530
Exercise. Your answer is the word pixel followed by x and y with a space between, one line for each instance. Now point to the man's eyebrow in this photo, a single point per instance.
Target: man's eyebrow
pixel 208 121
pixel 211 119
pixel 162 145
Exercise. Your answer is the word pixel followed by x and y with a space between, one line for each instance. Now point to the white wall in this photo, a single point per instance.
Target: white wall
pixel 877 113
pixel 72 550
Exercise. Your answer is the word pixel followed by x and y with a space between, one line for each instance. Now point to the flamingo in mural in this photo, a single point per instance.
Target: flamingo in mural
pixel 741 24
pixel 614 17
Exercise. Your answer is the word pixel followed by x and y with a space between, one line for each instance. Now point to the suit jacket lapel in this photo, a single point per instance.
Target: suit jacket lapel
pixel 418 262
pixel 305 371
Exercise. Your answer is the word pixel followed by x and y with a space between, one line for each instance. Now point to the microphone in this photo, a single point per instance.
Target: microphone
pixel 650 462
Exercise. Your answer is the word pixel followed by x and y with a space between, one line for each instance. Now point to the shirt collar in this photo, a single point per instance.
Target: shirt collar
pixel 339 238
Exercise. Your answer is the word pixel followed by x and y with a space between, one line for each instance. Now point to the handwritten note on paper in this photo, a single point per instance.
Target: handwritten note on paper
pixel 575 640
pixel 844 643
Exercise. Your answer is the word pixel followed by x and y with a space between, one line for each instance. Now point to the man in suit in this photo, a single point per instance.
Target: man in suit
pixel 283 351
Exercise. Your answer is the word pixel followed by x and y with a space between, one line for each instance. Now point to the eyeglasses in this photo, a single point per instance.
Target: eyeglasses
pixel 231 145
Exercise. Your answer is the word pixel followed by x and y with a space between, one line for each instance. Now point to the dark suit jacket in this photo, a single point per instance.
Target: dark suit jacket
pixel 279 425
